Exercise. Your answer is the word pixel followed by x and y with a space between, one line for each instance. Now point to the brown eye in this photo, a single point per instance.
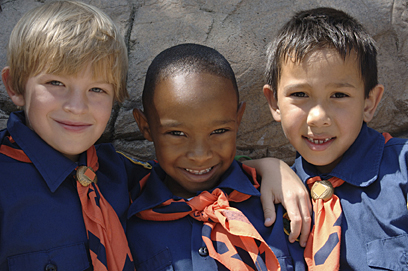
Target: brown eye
pixel 219 131
pixel 299 94
pixel 339 95
pixel 177 133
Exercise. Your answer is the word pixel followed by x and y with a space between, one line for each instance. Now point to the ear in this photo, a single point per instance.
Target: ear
pixel 143 124
pixel 240 112
pixel 371 103
pixel 18 99
pixel 273 103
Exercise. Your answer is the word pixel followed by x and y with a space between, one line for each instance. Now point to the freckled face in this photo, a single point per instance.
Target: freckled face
pixel 321 106
pixel 194 129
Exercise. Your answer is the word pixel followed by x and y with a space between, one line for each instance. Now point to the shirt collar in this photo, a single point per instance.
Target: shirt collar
pixel 155 192
pixel 360 163
pixel 52 165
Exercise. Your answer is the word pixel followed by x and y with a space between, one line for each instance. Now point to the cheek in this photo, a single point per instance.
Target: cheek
pixel 351 118
pixel 35 111
pixel 288 110
pixel 165 151
pixel 41 102
pixel 292 120
pixel 102 112
pixel 227 148
pixel 105 118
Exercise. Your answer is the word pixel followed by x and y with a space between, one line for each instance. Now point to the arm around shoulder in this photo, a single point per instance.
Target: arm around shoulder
pixel 280 184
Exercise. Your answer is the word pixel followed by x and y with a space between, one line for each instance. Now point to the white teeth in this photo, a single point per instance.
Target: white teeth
pixel 199 172
pixel 318 141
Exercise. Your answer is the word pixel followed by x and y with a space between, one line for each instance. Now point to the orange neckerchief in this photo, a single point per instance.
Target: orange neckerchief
pixel 222 223
pixel 108 245
pixel 322 250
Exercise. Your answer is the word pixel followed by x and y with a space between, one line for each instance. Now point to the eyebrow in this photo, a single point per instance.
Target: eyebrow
pixel 56 77
pixel 334 85
pixel 175 124
pixel 223 122
pixel 102 82
pixel 170 123
pixel 342 85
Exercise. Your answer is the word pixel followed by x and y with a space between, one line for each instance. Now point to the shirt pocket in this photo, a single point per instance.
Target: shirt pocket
pixel 388 253
pixel 161 261
pixel 70 257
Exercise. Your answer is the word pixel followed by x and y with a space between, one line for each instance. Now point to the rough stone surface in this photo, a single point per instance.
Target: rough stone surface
pixel 239 29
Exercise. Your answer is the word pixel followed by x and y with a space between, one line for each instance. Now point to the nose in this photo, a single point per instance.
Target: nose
pixel 318 116
pixel 76 102
pixel 199 151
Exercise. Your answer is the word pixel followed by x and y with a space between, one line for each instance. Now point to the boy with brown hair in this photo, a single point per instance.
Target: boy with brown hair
pixel 322 86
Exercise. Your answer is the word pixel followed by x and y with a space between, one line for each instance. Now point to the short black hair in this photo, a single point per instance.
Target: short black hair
pixel 185 58
pixel 322 28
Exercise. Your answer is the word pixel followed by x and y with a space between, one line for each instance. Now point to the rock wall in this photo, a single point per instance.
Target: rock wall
pixel 240 30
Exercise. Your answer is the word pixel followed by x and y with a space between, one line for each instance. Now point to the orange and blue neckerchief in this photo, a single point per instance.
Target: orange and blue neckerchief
pixel 322 251
pixel 223 225
pixel 108 245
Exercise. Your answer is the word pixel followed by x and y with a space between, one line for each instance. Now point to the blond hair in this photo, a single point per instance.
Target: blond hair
pixel 64 37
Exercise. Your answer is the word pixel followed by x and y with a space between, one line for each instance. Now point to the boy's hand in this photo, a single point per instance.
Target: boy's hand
pixel 281 185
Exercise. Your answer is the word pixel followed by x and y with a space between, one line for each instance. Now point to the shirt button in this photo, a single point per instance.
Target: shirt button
pixel 203 251
pixel 50 267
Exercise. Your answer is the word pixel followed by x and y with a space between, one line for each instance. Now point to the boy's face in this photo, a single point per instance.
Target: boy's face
pixel 193 126
pixel 70 113
pixel 321 105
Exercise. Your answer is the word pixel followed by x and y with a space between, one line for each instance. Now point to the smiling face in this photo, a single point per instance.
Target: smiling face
pixel 193 126
pixel 321 105
pixel 70 113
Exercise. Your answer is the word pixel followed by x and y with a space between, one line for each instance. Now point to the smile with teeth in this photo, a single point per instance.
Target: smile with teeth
pixel 199 172
pixel 318 141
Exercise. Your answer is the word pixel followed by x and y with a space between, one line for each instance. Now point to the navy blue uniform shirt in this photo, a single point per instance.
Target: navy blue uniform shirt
pixel 374 202
pixel 41 223
pixel 177 245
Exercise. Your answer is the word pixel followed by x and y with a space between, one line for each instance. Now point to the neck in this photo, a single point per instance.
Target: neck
pixel 178 190
pixel 328 168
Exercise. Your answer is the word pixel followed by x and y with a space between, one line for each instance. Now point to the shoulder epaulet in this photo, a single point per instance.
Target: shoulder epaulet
pixel 239 157
pixel 135 161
